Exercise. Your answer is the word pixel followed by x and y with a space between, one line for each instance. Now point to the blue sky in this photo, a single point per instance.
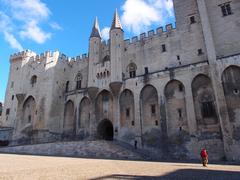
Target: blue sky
pixel 65 25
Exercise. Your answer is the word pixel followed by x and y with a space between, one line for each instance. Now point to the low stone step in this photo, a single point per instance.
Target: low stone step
pixel 88 149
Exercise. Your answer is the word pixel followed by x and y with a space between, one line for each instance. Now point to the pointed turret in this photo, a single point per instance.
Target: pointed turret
pixel 95 29
pixel 116 24
pixel 116 54
pixel 94 53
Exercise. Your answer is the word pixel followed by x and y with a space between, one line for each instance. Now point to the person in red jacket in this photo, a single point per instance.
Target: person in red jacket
pixel 204 156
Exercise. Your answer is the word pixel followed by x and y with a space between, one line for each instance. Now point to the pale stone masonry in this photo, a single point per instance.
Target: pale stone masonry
pixel 171 91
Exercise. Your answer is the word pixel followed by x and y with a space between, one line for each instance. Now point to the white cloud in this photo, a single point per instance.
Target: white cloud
pixel 165 7
pixel 34 32
pixel 26 10
pixel 31 13
pixel 24 18
pixel 55 25
pixel 105 33
pixel 139 15
pixel 5 22
pixel 6 29
pixel 12 41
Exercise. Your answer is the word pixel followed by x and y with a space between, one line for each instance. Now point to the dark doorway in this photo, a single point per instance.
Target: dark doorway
pixel 105 130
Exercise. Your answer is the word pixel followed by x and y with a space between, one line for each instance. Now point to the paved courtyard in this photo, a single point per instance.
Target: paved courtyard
pixel 40 167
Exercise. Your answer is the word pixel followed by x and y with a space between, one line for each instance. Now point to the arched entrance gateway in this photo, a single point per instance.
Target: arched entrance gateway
pixel 105 130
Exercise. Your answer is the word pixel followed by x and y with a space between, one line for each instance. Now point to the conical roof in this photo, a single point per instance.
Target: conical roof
pixel 95 29
pixel 116 24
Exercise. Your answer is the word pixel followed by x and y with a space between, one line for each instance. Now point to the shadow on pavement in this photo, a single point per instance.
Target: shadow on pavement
pixel 185 174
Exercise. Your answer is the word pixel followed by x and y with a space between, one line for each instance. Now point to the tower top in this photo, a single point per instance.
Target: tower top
pixel 95 29
pixel 116 24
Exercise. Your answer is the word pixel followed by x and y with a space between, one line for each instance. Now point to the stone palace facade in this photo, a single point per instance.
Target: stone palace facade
pixel 170 91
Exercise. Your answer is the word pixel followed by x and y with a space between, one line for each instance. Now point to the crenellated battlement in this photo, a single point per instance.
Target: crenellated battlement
pixel 22 55
pixel 79 58
pixel 32 55
pixel 72 60
pixel 46 55
pixel 160 31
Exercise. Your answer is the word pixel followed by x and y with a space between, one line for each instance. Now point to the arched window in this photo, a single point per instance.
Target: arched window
pixel 33 80
pixel 78 80
pixel 132 70
pixel 105 59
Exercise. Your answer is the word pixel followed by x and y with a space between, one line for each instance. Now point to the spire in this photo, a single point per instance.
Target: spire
pixel 116 24
pixel 95 29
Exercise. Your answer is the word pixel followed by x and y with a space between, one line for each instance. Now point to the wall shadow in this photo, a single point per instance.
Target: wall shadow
pixel 185 174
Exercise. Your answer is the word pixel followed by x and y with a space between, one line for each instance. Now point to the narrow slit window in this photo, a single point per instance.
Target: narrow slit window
pixel 178 57
pixel 29 119
pixel 127 112
pixel 146 70
pixel 164 48
pixel 153 109
pixel 192 20
pixel 133 123
pixel 180 88
pixel 67 86
pixel 200 52
pixel 180 113
pixel 208 110
pixel 7 111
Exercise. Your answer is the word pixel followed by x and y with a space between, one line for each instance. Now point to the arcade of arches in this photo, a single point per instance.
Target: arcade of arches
pixel 98 116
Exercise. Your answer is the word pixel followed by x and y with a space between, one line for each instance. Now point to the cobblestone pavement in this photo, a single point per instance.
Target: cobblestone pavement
pixel 39 167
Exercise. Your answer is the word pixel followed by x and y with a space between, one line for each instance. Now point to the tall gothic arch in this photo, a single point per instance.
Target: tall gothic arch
pixel 29 112
pixel 84 113
pixel 149 107
pixel 127 117
pixel 231 86
pixel 175 107
pixel 69 116
pixel 204 101
pixel 104 106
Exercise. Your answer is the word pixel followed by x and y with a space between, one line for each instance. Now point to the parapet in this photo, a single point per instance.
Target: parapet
pixel 22 55
pixel 160 31
pixel 71 60
pixel 32 55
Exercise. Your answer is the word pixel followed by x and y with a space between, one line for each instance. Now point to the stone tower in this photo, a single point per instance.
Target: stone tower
pixel 116 52
pixel 94 52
